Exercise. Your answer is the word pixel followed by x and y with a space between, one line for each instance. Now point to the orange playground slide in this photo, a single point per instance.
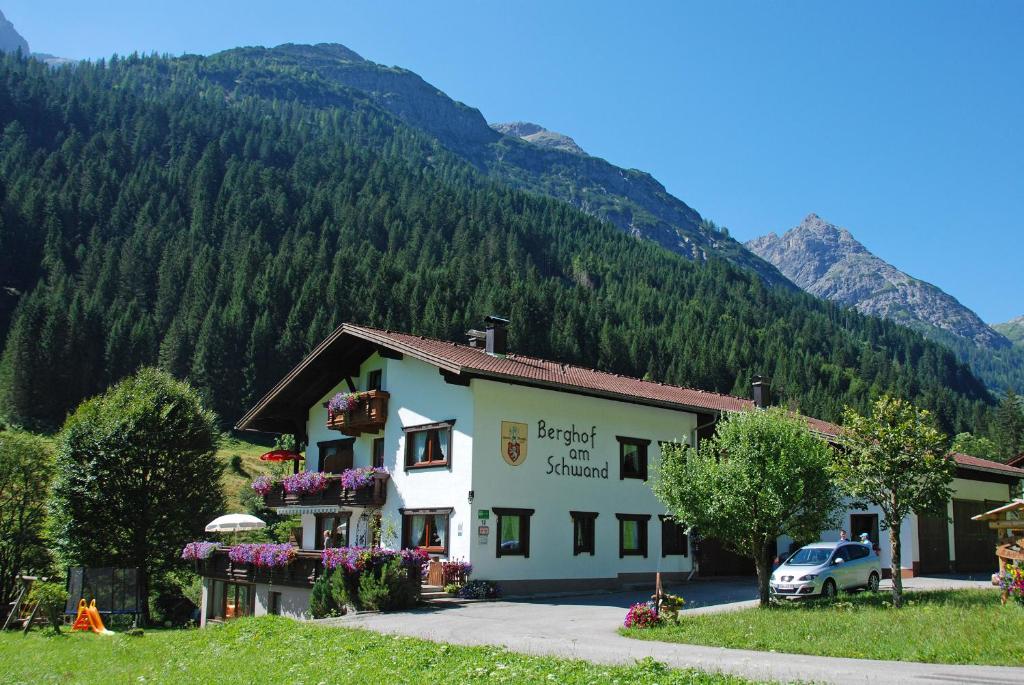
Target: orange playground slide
pixel 88 618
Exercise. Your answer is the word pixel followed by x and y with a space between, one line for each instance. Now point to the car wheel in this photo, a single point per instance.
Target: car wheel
pixel 873 582
pixel 828 590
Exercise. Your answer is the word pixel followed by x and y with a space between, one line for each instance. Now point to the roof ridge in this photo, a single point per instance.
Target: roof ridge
pixel 564 364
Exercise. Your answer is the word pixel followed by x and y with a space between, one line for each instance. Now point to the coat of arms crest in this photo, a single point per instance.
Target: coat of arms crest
pixel 513 442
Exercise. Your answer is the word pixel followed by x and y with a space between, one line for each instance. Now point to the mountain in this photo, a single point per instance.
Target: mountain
pixel 10 39
pixel 829 262
pixel 219 216
pixel 1012 329
pixel 538 135
pixel 632 200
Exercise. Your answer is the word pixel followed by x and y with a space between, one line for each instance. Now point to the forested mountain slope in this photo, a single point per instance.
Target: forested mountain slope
pixel 632 200
pixel 149 213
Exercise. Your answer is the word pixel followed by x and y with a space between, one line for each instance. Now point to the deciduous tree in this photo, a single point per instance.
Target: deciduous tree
pixel 26 468
pixel 137 477
pixel 762 475
pixel 895 459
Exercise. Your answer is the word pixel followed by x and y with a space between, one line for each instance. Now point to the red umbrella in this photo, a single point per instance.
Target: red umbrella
pixel 281 455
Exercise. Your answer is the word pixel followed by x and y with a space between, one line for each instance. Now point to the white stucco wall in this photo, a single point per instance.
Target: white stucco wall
pixel 294 602
pixel 531 485
pixel 419 396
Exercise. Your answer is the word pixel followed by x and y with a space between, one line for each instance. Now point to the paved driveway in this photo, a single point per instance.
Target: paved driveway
pixel 584 627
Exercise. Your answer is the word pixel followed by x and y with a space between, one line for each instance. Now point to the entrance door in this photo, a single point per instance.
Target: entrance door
pixel 933 536
pixel 975 541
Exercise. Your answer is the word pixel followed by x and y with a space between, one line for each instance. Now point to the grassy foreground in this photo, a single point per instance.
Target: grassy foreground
pixel 948 627
pixel 278 650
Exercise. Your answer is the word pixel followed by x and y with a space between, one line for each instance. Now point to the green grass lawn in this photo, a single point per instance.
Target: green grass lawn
pixel 949 627
pixel 278 650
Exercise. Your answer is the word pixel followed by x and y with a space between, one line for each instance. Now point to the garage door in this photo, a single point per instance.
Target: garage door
pixel 933 537
pixel 975 541
pixel 715 560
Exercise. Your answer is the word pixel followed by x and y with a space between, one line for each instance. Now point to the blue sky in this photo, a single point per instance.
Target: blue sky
pixel 902 123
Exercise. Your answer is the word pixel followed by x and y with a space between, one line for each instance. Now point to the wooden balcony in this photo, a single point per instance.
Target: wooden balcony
pixel 302 572
pixel 368 417
pixel 333 495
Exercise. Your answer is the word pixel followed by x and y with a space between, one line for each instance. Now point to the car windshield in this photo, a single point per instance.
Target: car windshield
pixel 810 556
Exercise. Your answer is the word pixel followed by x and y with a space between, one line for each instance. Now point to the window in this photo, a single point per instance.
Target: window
pixel 374 379
pixel 230 600
pixel 632 457
pixel 633 534
pixel 426 529
pixel 378 452
pixel 332 530
pixel 335 455
pixel 274 603
pixel 513 531
pixel 673 538
pixel 428 445
pixel 583 524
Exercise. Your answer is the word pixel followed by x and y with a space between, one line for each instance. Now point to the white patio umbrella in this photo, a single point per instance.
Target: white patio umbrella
pixel 234 523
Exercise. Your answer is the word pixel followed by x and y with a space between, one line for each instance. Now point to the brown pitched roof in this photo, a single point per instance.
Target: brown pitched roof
pixel 475 362
pixel 283 409
pixel 1017 461
pixel 979 464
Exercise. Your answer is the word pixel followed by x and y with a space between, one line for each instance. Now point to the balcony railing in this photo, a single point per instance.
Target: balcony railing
pixel 374 495
pixel 302 572
pixel 369 415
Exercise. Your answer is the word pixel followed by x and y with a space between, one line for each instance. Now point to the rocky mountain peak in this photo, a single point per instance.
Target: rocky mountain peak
pixel 538 135
pixel 10 39
pixel 827 261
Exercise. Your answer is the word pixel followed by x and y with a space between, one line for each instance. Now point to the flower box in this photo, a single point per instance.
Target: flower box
pixel 357 413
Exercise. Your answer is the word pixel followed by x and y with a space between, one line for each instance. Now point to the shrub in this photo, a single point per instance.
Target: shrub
pixel 452 588
pixel 387 589
pixel 52 598
pixel 479 589
pixel 321 598
pixel 641 615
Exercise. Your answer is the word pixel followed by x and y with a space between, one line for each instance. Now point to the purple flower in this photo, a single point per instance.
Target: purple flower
pixel 344 402
pixel 263 555
pixel 197 551
pixel 305 483
pixel 263 485
pixel 357 479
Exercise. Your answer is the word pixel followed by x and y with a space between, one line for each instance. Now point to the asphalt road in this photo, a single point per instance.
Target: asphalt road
pixel 584 627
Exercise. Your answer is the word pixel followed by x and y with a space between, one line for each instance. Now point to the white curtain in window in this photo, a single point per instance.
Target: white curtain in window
pixel 441 529
pixel 416 538
pixel 419 446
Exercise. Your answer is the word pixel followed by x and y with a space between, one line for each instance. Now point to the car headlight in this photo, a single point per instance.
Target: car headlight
pixel 809 576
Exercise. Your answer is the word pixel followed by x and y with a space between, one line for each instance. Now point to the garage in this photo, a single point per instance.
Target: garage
pixel 975 542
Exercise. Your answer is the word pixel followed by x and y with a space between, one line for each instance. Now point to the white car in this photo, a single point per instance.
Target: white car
pixel 825 568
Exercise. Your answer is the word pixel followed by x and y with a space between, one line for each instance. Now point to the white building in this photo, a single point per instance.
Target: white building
pixel 533 471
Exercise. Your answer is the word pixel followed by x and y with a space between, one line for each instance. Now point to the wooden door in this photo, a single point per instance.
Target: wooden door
pixel 933 540
pixel 975 542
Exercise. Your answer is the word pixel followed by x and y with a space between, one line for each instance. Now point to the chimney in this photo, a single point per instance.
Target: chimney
pixel 496 335
pixel 475 338
pixel 762 393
